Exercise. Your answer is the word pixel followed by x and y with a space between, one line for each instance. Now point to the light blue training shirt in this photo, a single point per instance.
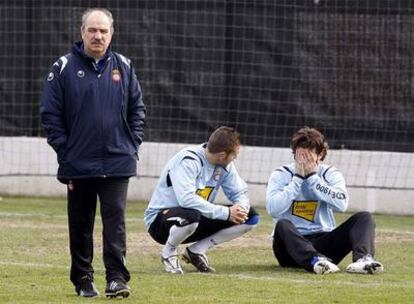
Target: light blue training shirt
pixel 188 180
pixel 309 202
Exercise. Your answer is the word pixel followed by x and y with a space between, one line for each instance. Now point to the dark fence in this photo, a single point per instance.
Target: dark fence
pixel 265 67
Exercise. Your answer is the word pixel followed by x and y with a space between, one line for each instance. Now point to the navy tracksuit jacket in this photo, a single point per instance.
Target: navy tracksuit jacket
pixel 93 115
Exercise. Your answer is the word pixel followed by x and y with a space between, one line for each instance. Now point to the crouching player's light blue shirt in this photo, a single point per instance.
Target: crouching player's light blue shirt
pixel 309 202
pixel 188 180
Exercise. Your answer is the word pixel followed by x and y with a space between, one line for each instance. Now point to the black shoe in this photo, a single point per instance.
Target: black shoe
pixel 199 261
pixel 86 288
pixel 117 289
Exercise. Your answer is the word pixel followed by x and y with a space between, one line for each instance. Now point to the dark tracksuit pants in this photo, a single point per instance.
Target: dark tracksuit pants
pixel 291 249
pixel 160 228
pixel 82 200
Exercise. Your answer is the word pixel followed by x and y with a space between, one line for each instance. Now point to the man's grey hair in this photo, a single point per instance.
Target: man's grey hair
pixel 86 14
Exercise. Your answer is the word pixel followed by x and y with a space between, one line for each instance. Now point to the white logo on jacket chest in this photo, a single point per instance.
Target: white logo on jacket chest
pixel 80 74
pixel 50 76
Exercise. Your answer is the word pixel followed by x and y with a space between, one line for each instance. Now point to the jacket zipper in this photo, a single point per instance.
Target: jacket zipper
pixel 99 76
pixel 97 92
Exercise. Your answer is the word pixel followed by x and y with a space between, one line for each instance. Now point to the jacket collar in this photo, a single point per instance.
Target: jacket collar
pixel 78 48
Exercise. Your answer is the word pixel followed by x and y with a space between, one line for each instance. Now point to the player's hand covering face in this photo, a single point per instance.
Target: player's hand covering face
pixel 307 161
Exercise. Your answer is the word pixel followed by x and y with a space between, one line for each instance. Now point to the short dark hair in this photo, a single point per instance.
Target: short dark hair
pixel 309 138
pixel 223 139
pixel 105 11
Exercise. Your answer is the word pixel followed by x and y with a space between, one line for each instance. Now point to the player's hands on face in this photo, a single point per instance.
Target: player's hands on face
pixel 306 161
pixel 238 215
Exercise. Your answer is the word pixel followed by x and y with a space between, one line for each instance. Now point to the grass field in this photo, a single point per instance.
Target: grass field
pixel 34 263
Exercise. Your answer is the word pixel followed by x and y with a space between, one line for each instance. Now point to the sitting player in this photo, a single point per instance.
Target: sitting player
pixel 302 197
pixel 181 209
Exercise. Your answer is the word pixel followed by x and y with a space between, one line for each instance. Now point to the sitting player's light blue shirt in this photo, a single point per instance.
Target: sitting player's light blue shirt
pixel 188 180
pixel 309 202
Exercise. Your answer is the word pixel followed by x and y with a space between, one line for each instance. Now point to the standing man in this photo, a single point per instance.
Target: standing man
pixel 93 115
pixel 181 209
pixel 302 197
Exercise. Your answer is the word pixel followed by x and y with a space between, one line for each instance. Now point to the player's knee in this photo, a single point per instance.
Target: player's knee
pixel 365 217
pixel 282 226
pixel 192 216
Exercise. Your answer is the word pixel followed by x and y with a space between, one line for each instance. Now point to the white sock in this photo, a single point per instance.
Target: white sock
pixel 176 237
pixel 219 237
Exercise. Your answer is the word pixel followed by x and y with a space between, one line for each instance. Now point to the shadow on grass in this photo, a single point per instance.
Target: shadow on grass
pixel 259 268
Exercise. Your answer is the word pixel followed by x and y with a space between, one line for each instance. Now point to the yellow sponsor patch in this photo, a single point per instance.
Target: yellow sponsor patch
pixel 205 192
pixel 305 209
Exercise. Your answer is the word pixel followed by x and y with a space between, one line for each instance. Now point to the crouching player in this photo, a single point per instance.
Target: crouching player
pixel 302 197
pixel 181 209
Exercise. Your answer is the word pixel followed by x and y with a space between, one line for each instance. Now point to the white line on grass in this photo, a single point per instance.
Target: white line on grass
pixel 38 265
pixel 313 280
pixel 45 215
pixel 18 214
pixel 32 265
